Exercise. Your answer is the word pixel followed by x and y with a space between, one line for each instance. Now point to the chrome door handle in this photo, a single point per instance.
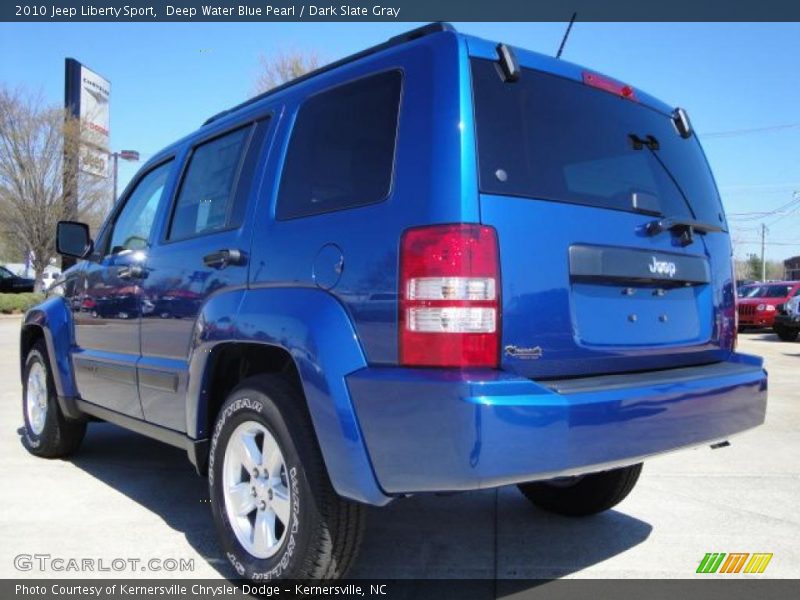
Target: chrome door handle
pixel 223 258
pixel 132 272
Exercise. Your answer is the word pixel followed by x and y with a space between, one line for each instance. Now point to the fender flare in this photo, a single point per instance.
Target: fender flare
pixel 313 327
pixel 53 318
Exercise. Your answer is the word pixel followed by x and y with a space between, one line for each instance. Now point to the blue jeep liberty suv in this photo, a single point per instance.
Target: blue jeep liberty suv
pixel 440 264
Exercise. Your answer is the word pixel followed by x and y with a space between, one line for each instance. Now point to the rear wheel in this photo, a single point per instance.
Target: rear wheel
pixel 585 494
pixel 275 510
pixel 47 433
pixel 786 334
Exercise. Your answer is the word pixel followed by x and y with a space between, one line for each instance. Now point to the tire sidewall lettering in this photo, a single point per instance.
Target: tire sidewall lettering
pixel 224 416
pixel 248 568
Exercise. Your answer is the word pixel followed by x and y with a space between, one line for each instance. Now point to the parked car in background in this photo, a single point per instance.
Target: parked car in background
pixel 49 278
pixel 740 283
pixel 759 307
pixel 745 290
pixel 14 284
pixel 787 321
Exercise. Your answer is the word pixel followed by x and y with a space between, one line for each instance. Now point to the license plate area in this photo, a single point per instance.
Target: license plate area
pixel 613 315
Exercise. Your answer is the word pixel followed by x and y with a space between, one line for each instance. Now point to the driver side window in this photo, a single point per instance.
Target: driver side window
pixel 135 221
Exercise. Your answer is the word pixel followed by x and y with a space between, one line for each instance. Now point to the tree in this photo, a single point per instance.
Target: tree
pixel 282 67
pixel 775 269
pixel 32 176
pixel 754 267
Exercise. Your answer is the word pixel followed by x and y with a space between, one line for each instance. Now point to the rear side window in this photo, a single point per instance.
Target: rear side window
pixel 206 195
pixel 341 154
pixel 553 138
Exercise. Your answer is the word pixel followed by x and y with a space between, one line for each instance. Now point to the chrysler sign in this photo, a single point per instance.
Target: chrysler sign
pixel 87 96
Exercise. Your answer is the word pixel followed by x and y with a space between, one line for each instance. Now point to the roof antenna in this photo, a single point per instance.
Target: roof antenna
pixel 566 35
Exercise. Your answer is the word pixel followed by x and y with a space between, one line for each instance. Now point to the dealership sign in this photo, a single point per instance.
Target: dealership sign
pixel 87 96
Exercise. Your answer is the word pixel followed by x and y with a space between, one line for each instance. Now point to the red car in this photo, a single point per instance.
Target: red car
pixel 759 307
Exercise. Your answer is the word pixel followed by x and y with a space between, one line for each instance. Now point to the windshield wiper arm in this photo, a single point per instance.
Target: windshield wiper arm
pixel 679 225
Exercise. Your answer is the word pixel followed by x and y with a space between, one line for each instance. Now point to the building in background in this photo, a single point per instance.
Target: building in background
pixel 792 268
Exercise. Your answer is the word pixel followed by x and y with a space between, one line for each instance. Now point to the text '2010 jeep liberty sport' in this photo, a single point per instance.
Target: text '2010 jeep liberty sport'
pixel 441 264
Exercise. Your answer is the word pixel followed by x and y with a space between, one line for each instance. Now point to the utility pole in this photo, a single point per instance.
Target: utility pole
pixel 763 255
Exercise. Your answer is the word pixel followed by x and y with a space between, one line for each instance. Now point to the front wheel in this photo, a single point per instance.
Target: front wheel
pixel 585 494
pixel 275 510
pixel 786 334
pixel 47 432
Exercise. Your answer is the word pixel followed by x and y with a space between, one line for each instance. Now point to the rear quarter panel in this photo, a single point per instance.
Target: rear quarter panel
pixel 435 138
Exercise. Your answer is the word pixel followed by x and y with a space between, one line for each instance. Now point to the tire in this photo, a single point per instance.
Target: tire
pixel 583 495
pixel 786 334
pixel 315 533
pixel 47 432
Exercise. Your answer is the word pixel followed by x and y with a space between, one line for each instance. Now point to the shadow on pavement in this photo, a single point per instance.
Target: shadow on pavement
pixel 489 534
pixel 158 477
pixel 761 336
pixel 476 535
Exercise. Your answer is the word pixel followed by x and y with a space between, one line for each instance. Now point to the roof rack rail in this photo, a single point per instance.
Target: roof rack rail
pixel 402 38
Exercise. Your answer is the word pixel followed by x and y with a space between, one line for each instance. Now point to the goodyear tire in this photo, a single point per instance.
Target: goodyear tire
pixel 47 432
pixel 583 495
pixel 275 511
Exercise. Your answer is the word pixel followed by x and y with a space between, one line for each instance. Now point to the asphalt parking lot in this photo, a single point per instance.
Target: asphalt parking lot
pixel 126 496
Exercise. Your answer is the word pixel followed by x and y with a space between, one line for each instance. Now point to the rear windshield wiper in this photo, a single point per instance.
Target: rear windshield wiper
pixel 683 228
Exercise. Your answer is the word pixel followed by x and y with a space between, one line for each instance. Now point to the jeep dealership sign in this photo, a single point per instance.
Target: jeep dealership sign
pixel 87 96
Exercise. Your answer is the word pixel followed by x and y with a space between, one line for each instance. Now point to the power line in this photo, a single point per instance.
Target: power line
pixel 738 132
pixel 791 212
pixel 783 210
pixel 760 186
pixel 768 243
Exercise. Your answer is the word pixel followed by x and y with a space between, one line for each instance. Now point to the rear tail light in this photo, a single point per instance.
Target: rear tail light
pixel 449 297
pixel 607 84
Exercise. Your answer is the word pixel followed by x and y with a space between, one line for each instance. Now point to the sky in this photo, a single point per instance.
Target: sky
pixel 740 83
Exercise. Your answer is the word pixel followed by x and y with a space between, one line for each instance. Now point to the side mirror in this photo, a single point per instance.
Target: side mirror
pixel 72 239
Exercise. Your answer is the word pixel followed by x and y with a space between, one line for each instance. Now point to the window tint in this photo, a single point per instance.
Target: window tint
pixel 133 224
pixel 553 138
pixel 206 193
pixel 5 273
pixel 342 148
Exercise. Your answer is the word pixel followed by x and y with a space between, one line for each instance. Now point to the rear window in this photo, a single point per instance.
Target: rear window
pixel 552 138
pixel 341 154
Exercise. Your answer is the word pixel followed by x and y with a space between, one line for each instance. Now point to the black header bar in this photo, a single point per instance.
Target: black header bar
pixel 397 10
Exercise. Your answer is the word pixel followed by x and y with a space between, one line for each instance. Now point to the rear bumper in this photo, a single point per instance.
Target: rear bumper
pixel 447 430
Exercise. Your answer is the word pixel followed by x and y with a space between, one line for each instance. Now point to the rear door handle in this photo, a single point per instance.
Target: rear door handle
pixel 223 258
